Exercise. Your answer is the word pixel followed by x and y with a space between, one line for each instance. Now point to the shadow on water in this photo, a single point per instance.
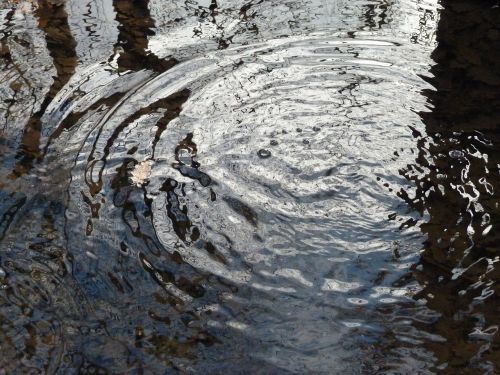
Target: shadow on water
pixel 457 186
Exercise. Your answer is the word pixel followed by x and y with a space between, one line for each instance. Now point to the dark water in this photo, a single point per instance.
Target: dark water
pixel 249 187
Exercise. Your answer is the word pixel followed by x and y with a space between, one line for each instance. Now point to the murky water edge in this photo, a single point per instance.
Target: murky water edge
pixel 215 187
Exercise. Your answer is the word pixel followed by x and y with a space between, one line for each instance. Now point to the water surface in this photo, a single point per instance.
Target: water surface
pixel 262 187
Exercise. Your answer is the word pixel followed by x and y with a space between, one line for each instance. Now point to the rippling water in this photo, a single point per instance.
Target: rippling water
pixel 302 186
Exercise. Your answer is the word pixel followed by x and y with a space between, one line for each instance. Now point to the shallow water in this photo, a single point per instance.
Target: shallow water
pixel 212 187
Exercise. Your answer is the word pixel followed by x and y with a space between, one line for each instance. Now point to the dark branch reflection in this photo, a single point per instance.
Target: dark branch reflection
pixel 456 175
pixel 53 21
pixel 135 26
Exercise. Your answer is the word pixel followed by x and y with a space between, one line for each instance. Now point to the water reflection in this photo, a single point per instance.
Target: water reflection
pixel 53 21
pixel 135 26
pixel 456 182
pixel 94 28
pixel 220 190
